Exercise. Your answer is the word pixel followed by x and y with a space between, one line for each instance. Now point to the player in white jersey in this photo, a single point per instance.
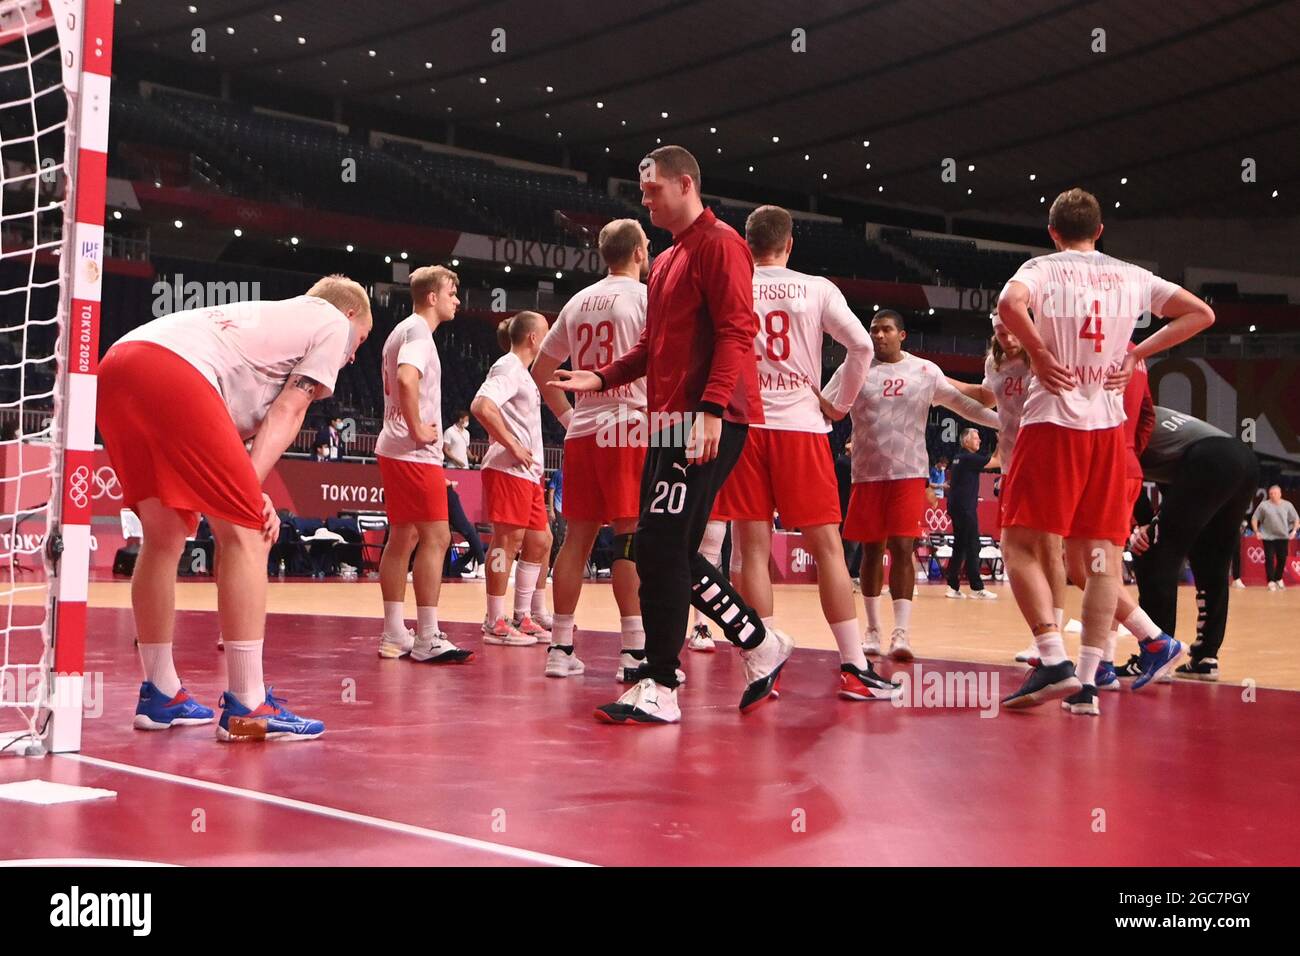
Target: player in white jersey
pixel 409 450
pixel 178 397
pixel 891 469
pixel 786 465
pixel 1067 475
pixel 509 406
pixel 602 478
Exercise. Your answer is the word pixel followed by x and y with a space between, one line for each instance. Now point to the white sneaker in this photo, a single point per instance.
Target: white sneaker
pixel 502 633
pixel 529 627
pixel 950 593
pixel 1281 585
pixel 763 668
pixel 563 664
pixel 1030 653
pixel 392 647
pixel 701 639
pixel 871 641
pixel 435 648
pixel 899 648
pixel 1272 585
pixel 544 620
pixel 627 667
pixel 1238 583
pixel 644 703
pixel 984 594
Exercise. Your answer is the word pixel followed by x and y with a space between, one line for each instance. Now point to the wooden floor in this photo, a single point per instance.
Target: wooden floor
pixel 1262 644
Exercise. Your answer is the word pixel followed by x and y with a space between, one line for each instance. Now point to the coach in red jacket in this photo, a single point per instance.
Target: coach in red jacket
pixel 697 354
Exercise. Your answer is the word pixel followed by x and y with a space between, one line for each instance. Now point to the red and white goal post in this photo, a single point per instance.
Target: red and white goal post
pixel 51 240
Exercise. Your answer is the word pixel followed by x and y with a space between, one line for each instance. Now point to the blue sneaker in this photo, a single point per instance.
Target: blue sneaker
pixel 1107 677
pixel 270 721
pixel 1159 656
pixel 1044 683
pixel 156 711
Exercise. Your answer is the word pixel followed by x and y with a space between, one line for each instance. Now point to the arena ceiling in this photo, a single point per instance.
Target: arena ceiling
pixel 1154 106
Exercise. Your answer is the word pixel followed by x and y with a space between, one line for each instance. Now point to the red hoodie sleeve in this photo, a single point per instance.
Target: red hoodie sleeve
pixel 727 276
pixel 1146 422
pixel 629 366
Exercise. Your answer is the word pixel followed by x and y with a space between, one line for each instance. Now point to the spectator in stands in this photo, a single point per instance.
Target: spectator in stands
pixel 328 439
pixel 321 452
pixel 939 475
pixel 455 443
pixel 1275 522
pixel 554 506
pixel 963 508
pixel 843 477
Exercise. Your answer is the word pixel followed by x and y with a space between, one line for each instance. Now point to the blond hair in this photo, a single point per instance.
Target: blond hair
pixel 342 293
pixel 430 279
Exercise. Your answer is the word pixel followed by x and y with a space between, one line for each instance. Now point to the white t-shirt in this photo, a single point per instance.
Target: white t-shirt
pixel 411 343
pixel 1085 306
pixel 455 446
pixel 248 350
pixel 511 388
pixel 889 416
pixel 1009 384
pixel 595 327
pixel 794 310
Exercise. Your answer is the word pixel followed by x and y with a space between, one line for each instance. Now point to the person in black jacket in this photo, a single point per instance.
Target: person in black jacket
pixel 963 504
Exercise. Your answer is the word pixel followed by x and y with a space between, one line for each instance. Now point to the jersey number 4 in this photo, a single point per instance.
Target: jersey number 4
pixel 1095 334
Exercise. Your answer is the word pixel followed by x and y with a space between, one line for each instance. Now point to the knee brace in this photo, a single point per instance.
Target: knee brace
pixel 625 547
pixel 720 603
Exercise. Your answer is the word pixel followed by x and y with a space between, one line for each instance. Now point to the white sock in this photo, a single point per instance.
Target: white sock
pixel 1059 613
pixel 849 643
pixel 1089 658
pixel 428 618
pixel 539 597
pixel 872 604
pixel 526 573
pixel 244 667
pixel 562 632
pixel 769 622
pixel 633 633
pixel 395 618
pixel 1111 640
pixel 1140 623
pixel 159 668
pixel 496 607
pixel 1051 649
pixel 903 613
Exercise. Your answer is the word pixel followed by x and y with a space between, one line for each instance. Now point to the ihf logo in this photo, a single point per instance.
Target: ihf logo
pixel 800 561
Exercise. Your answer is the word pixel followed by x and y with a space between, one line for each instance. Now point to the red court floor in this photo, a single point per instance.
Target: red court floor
pixel 492 763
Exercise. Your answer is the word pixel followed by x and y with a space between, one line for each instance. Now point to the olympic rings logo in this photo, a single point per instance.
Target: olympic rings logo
pixel 105 484
pixel 78 485
pixel 1256 555
pixel 937 520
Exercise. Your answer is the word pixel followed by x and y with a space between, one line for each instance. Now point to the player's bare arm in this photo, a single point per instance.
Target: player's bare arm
pixel 1187 315
pixel 981 394
pixel 1013 311
pixel 544 368
pixel 283 422
pixel 490 417
pixel 408 400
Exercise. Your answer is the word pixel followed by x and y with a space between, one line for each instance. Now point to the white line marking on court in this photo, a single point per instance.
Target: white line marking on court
pixel 82 861
pixel 486 846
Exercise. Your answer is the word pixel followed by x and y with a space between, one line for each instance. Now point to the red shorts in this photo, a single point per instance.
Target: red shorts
pixel 1132 489
pixel 169 436
pixel 414 491
pixel 514 501
pixel 601 484
pixel 791 473
pixel 892 508
pixel 1069 482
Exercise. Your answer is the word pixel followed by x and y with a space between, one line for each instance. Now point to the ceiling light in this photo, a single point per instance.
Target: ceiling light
pixel 404 255
pixel 824 176
pixel 559 275
pixel 193 9
pixel 1252 328
pixel 1123 180
pixel 293 240
pixel 349 247
pixel 932 311
pixel 388 259
pixel 371 52
pixel 301 40
pixel 713 129
pixel 599 105
pixel 230 31
pixel 238 233
pixel 880 189
pixel 277 18
pixel 1117 205
pixel 455 262
pixel 866 142
pixel 776 139
pixel 550 89
pixel 970 168
pixel 178 223
pixel 1042 199
pixel 507 269
pixel 663 115
pixel 117 214
pixel 806 157
pixel 428 65
pixel 751 169
pixel 1032 177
